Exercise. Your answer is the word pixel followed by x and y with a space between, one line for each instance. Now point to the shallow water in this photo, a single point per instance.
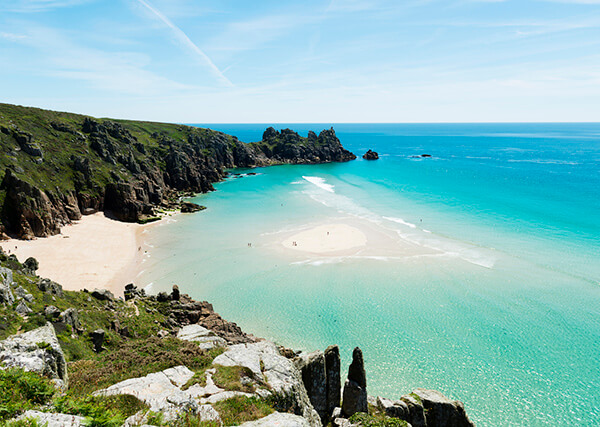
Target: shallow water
pixel 501 306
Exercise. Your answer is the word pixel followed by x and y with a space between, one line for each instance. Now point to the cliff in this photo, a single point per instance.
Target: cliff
pixel 88 358
pixel 58 166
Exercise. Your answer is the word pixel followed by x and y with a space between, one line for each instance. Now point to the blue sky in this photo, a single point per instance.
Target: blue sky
pixel 305 61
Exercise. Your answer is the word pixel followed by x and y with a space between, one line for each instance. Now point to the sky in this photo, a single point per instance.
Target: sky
pixel 312 61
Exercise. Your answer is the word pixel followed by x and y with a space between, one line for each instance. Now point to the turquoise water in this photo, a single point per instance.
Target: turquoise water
pixel 505 315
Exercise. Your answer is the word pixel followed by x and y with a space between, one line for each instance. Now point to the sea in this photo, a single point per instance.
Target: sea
pixel 501 307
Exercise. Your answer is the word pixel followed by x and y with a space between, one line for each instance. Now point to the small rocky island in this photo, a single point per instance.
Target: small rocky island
pixel 77 357
pixel 371 155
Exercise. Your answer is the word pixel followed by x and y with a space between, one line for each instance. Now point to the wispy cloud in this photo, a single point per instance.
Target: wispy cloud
pixel 32 6
pixel 187 42
pixel 12 36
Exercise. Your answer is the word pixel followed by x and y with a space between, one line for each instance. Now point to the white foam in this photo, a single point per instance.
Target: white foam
pixel 400 221
pixel 320 182
pixel 148 287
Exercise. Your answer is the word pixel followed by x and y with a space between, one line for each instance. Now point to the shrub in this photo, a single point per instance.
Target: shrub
pixel 20 390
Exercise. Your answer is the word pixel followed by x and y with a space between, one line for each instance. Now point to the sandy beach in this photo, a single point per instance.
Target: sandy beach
pixel 95 252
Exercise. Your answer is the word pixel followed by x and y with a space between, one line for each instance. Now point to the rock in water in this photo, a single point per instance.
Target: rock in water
pixel 189 207
pixel 355 388
pixel 332 371
pixel 370 155
pixel 36 351
pixel 441 411
pixel 312 367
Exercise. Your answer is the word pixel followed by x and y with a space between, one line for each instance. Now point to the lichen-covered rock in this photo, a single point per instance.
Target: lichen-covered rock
pixel 206 339
pixel 441 411
pixel 23 309
pixel 6 280
pixel 162 392
pixel 36 351
pixel 48 419
pixel 416 412
pixel 279 372
pixel 278 419
pixel 48 286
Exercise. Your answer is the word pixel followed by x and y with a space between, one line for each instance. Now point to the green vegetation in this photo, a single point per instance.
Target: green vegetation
pixel 376 420
pixel 100 411
pixel 240 409
pixel 238 378
pixel 136 359
pixel 20 391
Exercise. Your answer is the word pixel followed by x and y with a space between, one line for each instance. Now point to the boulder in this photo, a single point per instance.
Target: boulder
pixel 71 317
pixel 175 295
pixel 36 351
pixel 51 312
pixel 394 409
pixel 48 286
pixel 6 280
pixel 278 419
pixel 416 412
pixel 312 367
pixel 23 309
pixel 31 264
pixel 205 338
pixel 131 292
pixel 97 338
pixel 355 388
pixel 189 207
pixel 48 419
pixel 332 371
pixel 103 295
pixel 441 411
pixel 370 155
pixel 279 372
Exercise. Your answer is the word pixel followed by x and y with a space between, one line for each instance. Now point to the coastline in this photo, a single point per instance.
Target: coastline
pixel 94 252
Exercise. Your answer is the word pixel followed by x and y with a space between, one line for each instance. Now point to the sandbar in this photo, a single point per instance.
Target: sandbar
pixel 326 238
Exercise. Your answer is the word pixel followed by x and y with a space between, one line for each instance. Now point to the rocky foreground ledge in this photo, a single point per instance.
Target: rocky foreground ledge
pixel 88 358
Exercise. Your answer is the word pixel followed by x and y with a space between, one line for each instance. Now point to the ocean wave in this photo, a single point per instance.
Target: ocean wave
pixel 543 161
pixel 320 182
pixel 400 221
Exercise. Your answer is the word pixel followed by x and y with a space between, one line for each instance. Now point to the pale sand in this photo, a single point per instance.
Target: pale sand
pixel 326 238
pixel 350 237
pixel 95 252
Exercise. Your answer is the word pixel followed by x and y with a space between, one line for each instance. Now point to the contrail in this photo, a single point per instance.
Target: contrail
pixel 183 38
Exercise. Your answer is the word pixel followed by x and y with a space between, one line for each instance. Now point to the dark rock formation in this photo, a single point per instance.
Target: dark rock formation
pixel 175 295
pixel 441 411
pixel 189 207
pixel 370 155
pixel 127 168
pixel 71 317
pixel 31 264
pixel 50 287
pixel 97 338
pixel 355 388
pixel 312 367
pixel 131 292
pixel 334 385
pixel 103 295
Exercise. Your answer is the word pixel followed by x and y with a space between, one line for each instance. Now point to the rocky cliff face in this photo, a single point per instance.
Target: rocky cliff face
pixel 59 166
